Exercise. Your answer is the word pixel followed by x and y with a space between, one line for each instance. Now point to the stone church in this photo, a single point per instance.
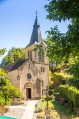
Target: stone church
pixel 31 76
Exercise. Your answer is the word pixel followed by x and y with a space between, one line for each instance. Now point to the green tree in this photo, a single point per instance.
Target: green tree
pixel 62 9
pixel 2 51
pixel 64 46
pixel 7 90
pixel 14 55
pixel 68 43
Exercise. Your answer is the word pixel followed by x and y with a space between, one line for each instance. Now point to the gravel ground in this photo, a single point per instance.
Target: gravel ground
pixel 16 111
pixel 24 111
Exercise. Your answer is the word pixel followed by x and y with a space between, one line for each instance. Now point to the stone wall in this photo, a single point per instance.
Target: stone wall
pixel 39 74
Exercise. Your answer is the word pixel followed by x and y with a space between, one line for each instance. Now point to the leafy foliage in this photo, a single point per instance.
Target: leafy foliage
pixel 39 106
pixel 68 43
pixel 2 51
pixel 55 45
pixel 50 80
pixel 70 92
pixel 7 90
pixel 51 92
pixel 62 9
pixel 64 46
pixel 40 49
pixel 74 70
pixel 14 55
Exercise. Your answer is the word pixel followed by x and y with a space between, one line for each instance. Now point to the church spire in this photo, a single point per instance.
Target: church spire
pixel 36 24
pixel 36 13
pixel 36 33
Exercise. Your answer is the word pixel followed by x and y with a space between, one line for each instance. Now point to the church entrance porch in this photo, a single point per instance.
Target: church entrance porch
pixel 28 93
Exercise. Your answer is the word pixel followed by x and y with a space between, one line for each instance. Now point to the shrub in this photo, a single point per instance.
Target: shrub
pixel 70 92
pixel 39 106
pixel 77 99
pixel 63 90
pixel 7 90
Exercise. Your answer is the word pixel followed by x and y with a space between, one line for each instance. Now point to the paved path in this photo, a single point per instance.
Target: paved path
pixel 28 114
pixel 24 111
pixel 16 111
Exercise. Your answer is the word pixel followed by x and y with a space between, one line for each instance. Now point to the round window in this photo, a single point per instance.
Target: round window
pixel 29 76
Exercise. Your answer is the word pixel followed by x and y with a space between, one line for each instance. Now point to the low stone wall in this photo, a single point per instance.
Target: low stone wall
pixel 16 102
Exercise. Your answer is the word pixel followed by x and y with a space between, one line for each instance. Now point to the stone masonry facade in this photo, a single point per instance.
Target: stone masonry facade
pixel 31 76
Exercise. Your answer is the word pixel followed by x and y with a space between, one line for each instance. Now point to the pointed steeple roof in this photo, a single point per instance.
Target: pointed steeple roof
pixel 36 33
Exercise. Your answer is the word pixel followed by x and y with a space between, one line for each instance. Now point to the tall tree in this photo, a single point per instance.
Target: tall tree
pixel 63 46
pixel 14 55
pixel 68 43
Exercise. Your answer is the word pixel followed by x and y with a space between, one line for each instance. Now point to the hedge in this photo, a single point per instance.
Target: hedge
pixel 70 92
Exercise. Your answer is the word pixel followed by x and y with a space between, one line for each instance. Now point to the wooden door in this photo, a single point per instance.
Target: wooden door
pixel 28 93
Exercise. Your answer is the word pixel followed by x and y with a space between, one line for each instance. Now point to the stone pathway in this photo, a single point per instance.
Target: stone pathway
pixel 15 112
pixel 29 111
pixel 24 111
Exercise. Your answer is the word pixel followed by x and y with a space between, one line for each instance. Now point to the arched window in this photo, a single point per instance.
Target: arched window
pixel 30 54
pixel 42 69
pixel 41 56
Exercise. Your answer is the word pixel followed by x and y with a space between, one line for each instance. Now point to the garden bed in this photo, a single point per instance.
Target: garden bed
pixel 57 110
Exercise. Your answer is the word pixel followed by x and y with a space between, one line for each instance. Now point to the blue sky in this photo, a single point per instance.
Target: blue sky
pixel 16 22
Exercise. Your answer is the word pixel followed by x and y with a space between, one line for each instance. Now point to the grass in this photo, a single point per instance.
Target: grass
pixel 62 110
pixel 59 109
pixel 56 109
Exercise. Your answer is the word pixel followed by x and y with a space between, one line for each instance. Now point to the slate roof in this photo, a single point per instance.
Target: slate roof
pixel 13 66
pixel 36 33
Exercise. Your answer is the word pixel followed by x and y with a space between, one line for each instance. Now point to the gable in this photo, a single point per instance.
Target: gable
pixel 30 66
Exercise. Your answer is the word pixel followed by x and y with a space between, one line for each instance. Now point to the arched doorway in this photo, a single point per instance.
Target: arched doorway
pixel 28 93
pixel 29 90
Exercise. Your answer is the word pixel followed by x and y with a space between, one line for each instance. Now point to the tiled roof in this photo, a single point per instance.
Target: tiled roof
pixel 13 66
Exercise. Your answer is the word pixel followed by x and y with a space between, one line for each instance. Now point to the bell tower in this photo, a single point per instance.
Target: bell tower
pixel 36 39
